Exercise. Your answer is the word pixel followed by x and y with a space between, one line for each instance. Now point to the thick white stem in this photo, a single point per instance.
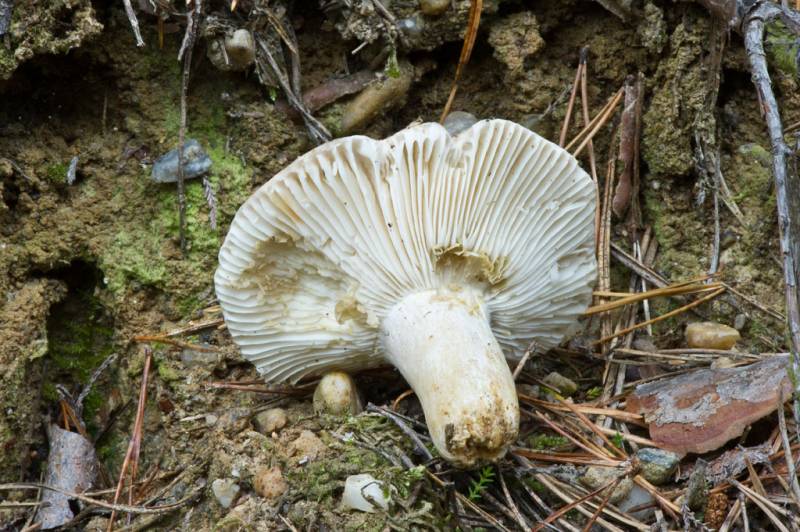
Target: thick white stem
pixel 442 343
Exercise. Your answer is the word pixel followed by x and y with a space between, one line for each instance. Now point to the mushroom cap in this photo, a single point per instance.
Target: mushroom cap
pixel 318 255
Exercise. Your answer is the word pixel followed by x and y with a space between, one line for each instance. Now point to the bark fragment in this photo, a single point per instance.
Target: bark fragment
pixel 700 411
pixel 71 466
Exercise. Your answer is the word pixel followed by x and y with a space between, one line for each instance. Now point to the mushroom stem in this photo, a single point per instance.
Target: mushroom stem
pixel 442 343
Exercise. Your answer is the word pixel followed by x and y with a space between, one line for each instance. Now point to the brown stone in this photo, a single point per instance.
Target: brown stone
pixel 307 445
pixel 698 412
pixel 269 483
pixel 711 335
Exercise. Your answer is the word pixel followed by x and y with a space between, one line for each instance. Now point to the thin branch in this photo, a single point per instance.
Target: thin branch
pixel 787 188
pixel 134 22
pixel 185 53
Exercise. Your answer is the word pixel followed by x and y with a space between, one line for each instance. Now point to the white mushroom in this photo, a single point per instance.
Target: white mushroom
pixel 434 253
pixel 337 394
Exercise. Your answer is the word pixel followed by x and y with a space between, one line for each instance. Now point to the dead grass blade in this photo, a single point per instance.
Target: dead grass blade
pixel 587 446
pixel 566 494
pixel 603 504
pixel 675 312
pixel 594 126
pixel 764 504
pixel 622 415
pixel 163 339
pixel 665 503
pixel 562 138
pixel 132 455
pixel 689 287
pixel 611 485
pixel 473 21
pixel 594 428
pixel 629 437
pixel 565 458
pixel 469 504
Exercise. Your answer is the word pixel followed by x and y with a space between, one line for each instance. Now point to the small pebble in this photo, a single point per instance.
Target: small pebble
pixel 337 394
pixel 96 524
pixel 563 385
pixel 364 492
pixel 307 446
pixel 241 49
pixel 531 390
pixel 710 335
pixel 72 171
pixel 459 121
pixel 272 420
pixel 657 465
pixel 596 476
pixel 728 238
pixel 697 488
pixel 739 321
pixel 645 343
pixel 412 26
pixel 225 490
pixel 433 7
pixel 195 358
pixel 233 420
pixel 196 162
pixel 375 99
pixel 638 497
pixel 269 483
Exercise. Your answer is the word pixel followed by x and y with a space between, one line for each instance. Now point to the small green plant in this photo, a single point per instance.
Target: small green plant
pixel 392 68
pixel 594 393
pixel 617 440
pixel 477 487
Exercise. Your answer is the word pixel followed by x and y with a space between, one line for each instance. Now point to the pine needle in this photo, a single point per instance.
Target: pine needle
pixel 473 21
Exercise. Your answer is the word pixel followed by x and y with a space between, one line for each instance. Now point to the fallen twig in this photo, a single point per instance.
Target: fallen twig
pixel 134 22
pixel 787 188
pixel 185 54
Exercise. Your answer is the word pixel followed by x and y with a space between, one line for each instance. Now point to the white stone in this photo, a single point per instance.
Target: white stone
pixel 225 490
pixel 364 492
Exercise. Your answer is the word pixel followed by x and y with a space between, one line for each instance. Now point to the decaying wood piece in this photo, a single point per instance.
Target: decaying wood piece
pixel 628 133
pixel 698 412
pixel 71 466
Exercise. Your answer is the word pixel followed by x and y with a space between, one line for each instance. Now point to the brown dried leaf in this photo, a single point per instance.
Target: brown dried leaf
pixel 698 412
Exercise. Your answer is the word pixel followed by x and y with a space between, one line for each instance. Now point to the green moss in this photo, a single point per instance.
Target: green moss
pixel 78 346
pixel 111 450
pixel 49 392
pixel 676 108
pixel 331 118
pixel 543 441
pixel 80 338
pixel 535 485
pixel 136 257
pixel 322 478
pixel 145 251
pixel 57 173
pixel 782 48
pixel 167 372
